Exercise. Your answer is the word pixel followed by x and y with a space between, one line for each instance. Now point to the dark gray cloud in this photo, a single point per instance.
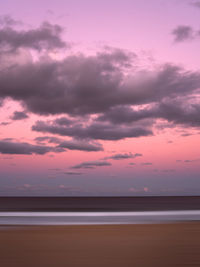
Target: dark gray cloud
pixel 73 144
pixel 126 114
pixel 181 112
pixel 105 84
pixel 19 115
pixel 182 33
pixel 125 122
pixel 81 145
pixel 91 164
pixel 63 121
pixel 10 147
pixel 81 84
pixel 175 111
pixel 124 156
pixel 76 85
pixel 49 139
pixel 96 130
pixel 116 56
pixel 47 36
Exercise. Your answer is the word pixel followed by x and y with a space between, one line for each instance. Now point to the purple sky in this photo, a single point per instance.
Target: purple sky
pixel 99 97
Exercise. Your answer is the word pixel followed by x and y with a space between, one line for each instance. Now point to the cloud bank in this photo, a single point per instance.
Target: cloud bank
pixel 10 147
pixel 19 115
pixel 124 156
pixel 46 36
pixel 105 96
pixel 182 33
pixel 91 165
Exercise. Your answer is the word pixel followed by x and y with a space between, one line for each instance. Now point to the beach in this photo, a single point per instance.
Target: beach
pixel 152 245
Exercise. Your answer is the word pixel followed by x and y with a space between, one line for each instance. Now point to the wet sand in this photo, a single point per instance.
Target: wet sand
pixel 176 244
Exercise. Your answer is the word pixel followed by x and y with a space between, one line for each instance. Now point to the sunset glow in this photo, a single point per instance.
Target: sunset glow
pixel 99 98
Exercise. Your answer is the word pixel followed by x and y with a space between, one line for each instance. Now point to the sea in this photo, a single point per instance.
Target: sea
pixel 97 210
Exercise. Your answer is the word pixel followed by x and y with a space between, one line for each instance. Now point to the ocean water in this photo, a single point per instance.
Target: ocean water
pixel 81 218
pixel 150 203
pixel 97 210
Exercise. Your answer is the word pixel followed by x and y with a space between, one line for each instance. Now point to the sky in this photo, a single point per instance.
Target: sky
pixel 99 98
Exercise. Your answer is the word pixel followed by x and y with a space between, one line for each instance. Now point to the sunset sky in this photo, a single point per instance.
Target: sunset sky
pixel 99 97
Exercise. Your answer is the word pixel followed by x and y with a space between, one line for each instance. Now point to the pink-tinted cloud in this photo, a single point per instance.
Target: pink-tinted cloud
pixel 85 104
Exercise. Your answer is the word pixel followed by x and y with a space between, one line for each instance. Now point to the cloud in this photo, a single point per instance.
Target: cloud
pixel 186 134
pixel 49 139
pixel 46 36
pixel 62 84
pixel 45 188
pixel 182 111
pixel 95 130
pixel 80 84
pixel 73 173
pixel 188 160
pixel 19 115
pixel 182 33
pixel 132 123
pixel 138 190
pixel 81 145
pixel 125 115
pixel 91 164
pixel 73 144
pixel 196 4
pixel 1 103
pixel 63 121
pixel 69 188
pixel 124 156
pixel 7 20
pixel 4 123
pixel 10 147
pixel 126 100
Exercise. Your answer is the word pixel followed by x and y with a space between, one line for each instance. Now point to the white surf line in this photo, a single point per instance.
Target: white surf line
pixel 100 214
pixel 95 218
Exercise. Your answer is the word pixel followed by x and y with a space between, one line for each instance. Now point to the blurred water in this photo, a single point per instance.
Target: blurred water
pixel 100 204
pixel 79 218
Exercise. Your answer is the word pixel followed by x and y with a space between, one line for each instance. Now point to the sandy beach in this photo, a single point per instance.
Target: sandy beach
pixel 176 244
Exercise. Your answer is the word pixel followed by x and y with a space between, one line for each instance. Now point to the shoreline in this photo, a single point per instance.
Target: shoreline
pixel 97 218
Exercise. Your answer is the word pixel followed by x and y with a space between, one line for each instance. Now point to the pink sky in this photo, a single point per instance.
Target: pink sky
pixel 99 98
